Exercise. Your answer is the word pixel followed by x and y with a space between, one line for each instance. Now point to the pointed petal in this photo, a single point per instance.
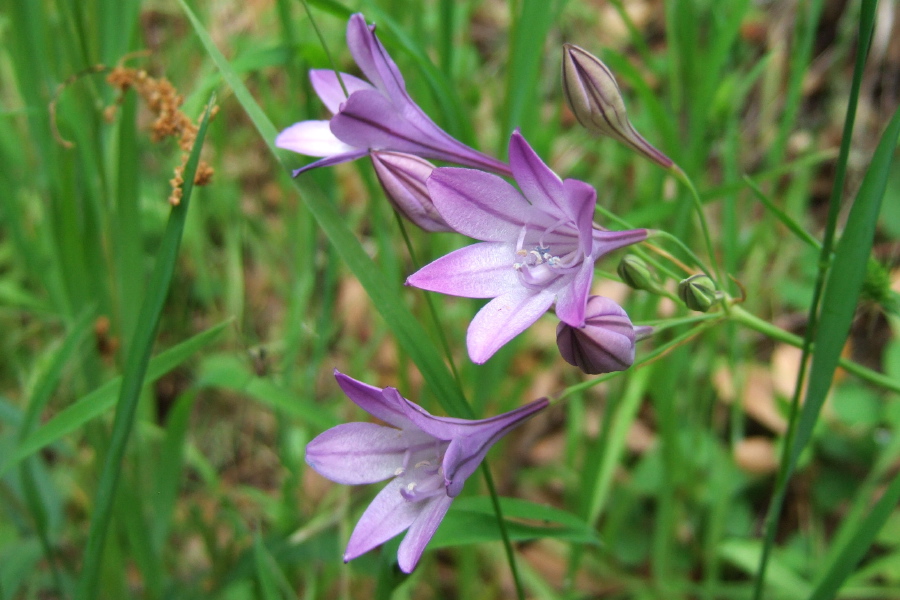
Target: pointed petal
pixel 581 200
pixel 312 138
pixel 478 271
pixel 572 299
pixel 542 187
pixel 502 319
pixel 329 90
pixel 331 161
pixel 359 453
pixel 387 515
pixel 368 119
pixel 468 449
pixel 607 241
pixel 373 401
pixel 478 204
pixel 421 532
pixel 373 60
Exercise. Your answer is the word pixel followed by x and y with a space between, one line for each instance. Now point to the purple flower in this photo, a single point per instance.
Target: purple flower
pixel 604 344
pixel 373 115
pixel 539 246
pixel 428 457
pixel 403 177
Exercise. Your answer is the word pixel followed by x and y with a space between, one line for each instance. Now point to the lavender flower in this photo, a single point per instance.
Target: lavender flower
pixel 373 115
pixel 428 457
pixel 403 177
pixel 539 246
pixel 605 343
pixel 594 97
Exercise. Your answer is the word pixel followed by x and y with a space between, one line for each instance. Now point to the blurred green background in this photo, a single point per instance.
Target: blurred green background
pixel 652 484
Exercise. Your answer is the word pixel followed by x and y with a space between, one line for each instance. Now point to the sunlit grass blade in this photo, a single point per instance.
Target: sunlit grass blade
pixel 97 402
pixel 136 364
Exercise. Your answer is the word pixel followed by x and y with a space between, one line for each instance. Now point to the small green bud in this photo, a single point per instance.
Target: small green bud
pixel 698 292
pixel 636 273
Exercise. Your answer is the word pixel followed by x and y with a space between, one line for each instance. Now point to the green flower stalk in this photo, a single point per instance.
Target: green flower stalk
pixel 593 95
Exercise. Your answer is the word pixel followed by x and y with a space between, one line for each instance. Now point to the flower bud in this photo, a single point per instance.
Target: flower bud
pixel 604 344
pixel 636 273
pixel 593 95
pixel 698 292
pixel 402 177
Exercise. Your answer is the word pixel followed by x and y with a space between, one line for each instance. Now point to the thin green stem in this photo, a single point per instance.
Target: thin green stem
pixel 445 345
pixel 704 226
pixel 501 523
pixel 743 317
pixel 331 62
pixel 684 248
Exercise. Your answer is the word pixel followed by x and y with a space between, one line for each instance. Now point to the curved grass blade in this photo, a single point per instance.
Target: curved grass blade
pixel 845 561
pixel 135 371
pixel 835 302
pixel 103 398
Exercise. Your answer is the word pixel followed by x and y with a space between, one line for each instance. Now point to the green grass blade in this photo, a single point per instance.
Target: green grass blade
pixel 530 29
pixel 836 572
pixel 103 398
pixel 135 371
pixel 168 472
pixel 406 329
pixel 838 302
pixel 845 282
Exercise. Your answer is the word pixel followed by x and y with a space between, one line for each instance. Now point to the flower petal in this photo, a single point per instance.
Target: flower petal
pixel 312 138
pixel 502 319
pixel 387 515
pixel 421 531
pixel 478 204
pixel 581 200
pixel 607 241
pixel 373 60
pixel 332 160
pixel 329 90
pixel 359 453
pixel 471 443
pixel 368 119
pixel 542 187
pixel 478 271
pixel 572 298
pixel 373 401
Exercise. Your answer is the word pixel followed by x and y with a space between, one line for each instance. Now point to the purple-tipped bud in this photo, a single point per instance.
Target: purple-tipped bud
pixel 593 95
pixel 605 343
pixel 403 178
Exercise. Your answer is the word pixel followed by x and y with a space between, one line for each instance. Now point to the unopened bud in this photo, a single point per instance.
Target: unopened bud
pixel 594 97
pixel 402 177
pixel 604 344
pixel 636 273
pixel 698 292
